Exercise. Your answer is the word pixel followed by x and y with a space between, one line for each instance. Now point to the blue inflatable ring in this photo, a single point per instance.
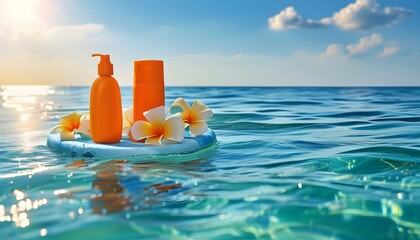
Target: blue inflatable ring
pixel 86 148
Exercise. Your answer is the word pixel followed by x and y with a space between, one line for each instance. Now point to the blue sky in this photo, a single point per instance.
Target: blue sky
pixel 235 42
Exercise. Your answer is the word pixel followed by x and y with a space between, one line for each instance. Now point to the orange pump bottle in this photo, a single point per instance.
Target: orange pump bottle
pixel 149 88
pixel 105 104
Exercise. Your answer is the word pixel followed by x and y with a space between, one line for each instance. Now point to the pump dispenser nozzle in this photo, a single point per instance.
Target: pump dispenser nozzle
pixel 105 67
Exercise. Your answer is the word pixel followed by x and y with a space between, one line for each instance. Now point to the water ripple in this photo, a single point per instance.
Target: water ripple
pixel 292 163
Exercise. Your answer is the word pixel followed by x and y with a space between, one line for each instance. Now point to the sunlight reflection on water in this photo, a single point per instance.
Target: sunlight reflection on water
pixel 291 163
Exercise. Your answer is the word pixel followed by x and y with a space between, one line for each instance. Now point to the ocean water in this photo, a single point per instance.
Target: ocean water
pixel 291 163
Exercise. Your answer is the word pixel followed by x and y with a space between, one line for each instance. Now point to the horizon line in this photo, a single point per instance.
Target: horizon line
pixel 231 86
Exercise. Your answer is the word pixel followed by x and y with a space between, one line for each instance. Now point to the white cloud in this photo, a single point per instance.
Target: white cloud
pixel 388 51
pixel 45 40
pixel 289 18
pixel 334 50
pixel 364 44
pixel 360 15
pixel 76 32
pixel 366 14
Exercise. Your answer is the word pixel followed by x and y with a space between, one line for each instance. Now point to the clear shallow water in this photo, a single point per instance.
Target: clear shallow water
pixel 292 163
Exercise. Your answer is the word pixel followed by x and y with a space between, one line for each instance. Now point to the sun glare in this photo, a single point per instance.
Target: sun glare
pixel 19 14
pixel 20 11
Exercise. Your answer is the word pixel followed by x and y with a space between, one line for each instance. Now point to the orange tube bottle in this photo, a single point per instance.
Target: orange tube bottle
pixel 149 88
pixel 105 104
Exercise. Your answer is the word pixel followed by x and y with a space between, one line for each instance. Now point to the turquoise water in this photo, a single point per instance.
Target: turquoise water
pixel 291 163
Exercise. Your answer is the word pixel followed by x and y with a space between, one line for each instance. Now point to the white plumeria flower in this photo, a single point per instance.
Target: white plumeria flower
pixel 128 120
pixel 158 130
pixel 194 116
pixel 71 124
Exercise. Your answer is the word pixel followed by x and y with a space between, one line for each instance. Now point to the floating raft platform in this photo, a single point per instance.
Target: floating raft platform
pixel 86 148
